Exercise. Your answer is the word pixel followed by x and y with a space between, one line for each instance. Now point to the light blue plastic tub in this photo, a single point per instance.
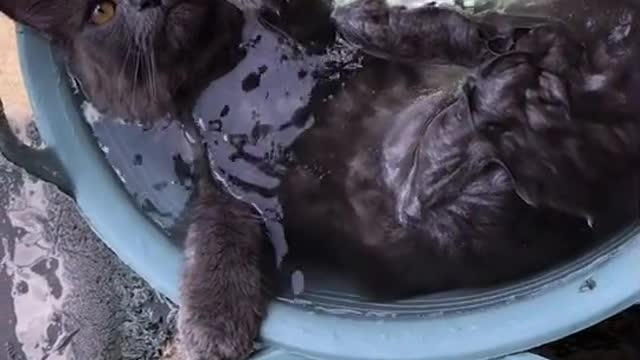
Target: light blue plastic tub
pixel 326 325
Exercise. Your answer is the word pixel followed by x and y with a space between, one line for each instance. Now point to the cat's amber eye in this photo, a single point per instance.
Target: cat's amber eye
pixel 103 13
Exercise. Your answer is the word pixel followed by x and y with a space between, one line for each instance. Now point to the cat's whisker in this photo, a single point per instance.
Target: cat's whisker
pixel 155 71
pixel 152 73
pixel 149 75
pixel 125 63
pixel 148 84
pixel 135 75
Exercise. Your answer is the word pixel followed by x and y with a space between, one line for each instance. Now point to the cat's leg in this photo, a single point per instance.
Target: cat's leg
pixel 428 33
pixel 528 105
pixel 523 112
pixel 228 280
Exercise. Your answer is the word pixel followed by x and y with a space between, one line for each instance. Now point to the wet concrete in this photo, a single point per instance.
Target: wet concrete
pixel 63 294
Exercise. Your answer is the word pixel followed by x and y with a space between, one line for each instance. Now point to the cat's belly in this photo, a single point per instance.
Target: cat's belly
pixel 484 236
pixel 253 120
pixel 325 190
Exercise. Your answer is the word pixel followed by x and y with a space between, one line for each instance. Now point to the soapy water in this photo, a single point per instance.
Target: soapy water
pixel 157 171
pixel 251 114
pixel 155 162
pixel 249 118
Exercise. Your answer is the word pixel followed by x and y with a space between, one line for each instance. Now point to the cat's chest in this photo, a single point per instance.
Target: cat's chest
pixel 251 116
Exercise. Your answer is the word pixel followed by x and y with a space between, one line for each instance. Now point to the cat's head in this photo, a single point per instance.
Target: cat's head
pixel 138 59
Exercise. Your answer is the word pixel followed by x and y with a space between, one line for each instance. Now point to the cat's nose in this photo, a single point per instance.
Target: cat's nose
pixel 145 4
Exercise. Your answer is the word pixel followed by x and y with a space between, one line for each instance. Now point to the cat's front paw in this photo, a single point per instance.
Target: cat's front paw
pixel 204 338
pixel 223 303
pixel 227 283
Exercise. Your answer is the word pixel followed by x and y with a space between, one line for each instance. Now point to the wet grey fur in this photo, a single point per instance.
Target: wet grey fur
pixel 229 279
pixel 440 187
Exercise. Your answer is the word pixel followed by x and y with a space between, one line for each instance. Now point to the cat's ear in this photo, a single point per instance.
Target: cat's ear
pixel 47 16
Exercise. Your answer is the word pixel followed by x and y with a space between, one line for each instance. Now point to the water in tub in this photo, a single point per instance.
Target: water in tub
pixel 250 117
